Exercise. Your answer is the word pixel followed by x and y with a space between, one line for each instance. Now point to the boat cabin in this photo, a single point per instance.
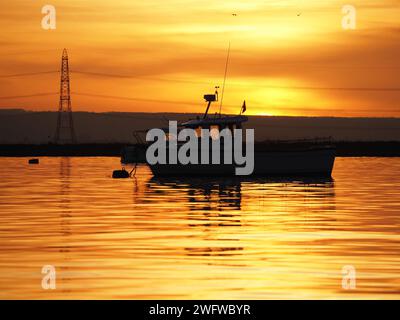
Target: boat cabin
pixel 216 123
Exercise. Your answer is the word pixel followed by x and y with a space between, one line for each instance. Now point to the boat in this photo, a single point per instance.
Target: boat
pixel 302 158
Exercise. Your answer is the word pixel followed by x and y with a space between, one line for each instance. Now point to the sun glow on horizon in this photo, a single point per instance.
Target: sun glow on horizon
pixel 286 58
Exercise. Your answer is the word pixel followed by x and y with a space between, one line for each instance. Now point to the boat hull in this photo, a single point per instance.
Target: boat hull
pixel 313 162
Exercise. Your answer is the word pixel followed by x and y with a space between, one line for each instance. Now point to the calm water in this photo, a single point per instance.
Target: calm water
pixel 186 239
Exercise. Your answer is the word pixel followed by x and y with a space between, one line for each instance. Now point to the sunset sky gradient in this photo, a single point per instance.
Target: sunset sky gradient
pixel 162 56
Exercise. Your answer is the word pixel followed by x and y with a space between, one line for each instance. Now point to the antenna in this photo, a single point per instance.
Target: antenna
pixel 226 71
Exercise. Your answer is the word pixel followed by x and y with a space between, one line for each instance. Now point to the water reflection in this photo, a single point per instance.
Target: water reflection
pixel 235 238
pixel 214 203
pixel 223 194
pixel 63 270
pixel 65 211
pixel 212 194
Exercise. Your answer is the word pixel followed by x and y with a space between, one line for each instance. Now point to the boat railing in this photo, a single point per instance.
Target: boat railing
pixel 317 140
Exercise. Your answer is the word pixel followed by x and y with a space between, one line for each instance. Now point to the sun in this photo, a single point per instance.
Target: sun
pixel 264 114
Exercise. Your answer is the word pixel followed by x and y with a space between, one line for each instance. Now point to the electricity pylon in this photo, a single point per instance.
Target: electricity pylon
pixel 65 133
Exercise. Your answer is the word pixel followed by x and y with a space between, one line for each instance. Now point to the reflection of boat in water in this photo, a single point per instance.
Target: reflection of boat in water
pixel 215 193
pixel 279 158
pixel 226 194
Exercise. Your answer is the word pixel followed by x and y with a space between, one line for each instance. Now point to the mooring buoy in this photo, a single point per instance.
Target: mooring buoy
pixel 120 174
pixel 33 161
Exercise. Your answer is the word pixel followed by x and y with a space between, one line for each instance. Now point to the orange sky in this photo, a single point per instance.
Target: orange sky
pixel 163 55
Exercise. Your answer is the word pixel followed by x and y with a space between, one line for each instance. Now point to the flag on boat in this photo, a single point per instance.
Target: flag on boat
pixel 243 107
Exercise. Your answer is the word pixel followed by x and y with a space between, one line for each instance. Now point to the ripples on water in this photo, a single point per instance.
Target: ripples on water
pixel 147 238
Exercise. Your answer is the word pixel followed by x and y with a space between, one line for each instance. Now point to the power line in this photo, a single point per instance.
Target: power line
pixel 29 95
pixel 236 83
pixel 27 74
pixel 334 88
pixel 110 75
pixel 148 78
pixel 368 89
pixel 132 98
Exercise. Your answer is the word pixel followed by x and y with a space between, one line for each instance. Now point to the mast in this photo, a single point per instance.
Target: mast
pixel 226 71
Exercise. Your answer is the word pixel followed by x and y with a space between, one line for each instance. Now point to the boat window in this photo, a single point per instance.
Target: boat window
pixel 198 132
pixel 170 136
pixel 214 132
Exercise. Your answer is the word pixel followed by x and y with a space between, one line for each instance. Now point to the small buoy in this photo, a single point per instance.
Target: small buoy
pixel 33 161
pixel 120 174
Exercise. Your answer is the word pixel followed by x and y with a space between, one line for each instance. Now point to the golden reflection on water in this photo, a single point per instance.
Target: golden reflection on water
pixel 147 238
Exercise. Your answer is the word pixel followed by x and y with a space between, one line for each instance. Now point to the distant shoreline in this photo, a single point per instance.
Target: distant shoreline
pixel 344 149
